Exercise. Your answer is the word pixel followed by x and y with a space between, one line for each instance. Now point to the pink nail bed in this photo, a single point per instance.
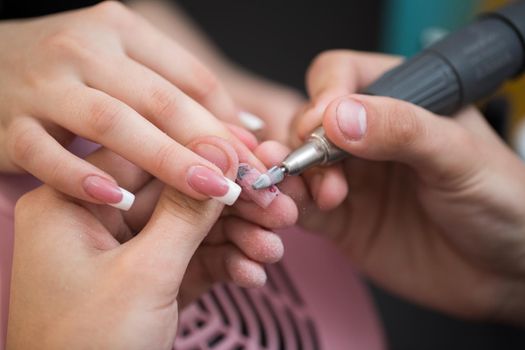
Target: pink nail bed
pixel 208 182
pixel 108 192
pixel 102 189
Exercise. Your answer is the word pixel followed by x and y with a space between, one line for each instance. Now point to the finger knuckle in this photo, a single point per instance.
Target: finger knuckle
pixel 164 103
pixel 111 9
pixel 24 209
pixel 23 204
pixel 115 13
pixel 317 63
pixel 68 44
pixel 55 173
pixel 326 57
pixel 164 158
pixel 322 70
pixel 402 125
pixel 185 209
pixel 464 139
pixel 105 117
pixel 21 144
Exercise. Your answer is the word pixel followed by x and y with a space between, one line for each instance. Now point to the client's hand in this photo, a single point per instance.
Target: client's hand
pixel 88 276
pixel 435 210
pixel 106 74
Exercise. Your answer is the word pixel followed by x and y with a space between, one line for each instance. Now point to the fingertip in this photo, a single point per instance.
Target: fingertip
pixel 283 211
pixel 255 242
pixel 271 152
pixel 266 247
pixel 272 250
pixel 333 190
pixel 245 272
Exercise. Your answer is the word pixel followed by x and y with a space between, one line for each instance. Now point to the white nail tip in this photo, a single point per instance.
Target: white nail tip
pixel 234 191
pixel 251 122
pixel 126 202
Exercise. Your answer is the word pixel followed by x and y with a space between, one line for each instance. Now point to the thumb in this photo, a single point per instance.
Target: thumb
pixel 177 227
pixel 385 129
pixel 164 248
pixel 179 223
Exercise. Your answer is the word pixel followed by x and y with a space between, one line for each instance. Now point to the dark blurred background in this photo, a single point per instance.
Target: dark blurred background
pixel 278 39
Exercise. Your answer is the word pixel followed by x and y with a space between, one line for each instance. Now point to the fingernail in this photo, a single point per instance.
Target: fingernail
pixel 108 192
pixel 214 154
pixel 208 182
pixel 250 121
pixel 351 119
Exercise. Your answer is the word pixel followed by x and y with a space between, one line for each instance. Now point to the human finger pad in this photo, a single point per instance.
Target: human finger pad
pixel 333 188
pixel 281 213
pixel 245 272
pixel 258 244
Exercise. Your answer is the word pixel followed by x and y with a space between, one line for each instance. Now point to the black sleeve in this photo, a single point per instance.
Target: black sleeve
pixel 32 8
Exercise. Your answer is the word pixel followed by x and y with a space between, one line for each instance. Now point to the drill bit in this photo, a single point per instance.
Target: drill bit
pixel 271 177
pixel 317 150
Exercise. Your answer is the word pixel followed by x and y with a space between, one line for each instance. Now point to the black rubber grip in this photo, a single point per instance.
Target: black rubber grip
pixel 425 80
pixel 464 67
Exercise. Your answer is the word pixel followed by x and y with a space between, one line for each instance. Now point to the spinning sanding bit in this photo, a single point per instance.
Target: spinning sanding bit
pixel 462 68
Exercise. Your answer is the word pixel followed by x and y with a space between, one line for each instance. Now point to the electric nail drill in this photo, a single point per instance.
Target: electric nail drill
pixel 464 67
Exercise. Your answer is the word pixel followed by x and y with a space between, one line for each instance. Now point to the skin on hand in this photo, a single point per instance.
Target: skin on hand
pixel 430 208
pixel 107 75
pixel 272 102
pixel 92 276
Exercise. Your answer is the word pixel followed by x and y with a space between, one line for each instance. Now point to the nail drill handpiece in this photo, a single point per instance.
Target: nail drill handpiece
pixel 316 151
pixel 464 67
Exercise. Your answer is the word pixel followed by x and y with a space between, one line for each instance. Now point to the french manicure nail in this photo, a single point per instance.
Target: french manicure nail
pixel 208 182
pixel 351 119
pixel 250 121
pixel 108 192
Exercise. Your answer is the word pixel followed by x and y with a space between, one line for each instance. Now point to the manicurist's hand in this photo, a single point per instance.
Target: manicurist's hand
pixel 273 103
pixel 431 208
pixel 105 74
pixel 89 276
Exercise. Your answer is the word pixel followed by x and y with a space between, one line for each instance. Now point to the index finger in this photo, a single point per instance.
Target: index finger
pixel 346 71
pixel 337 73
pixel 331 75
